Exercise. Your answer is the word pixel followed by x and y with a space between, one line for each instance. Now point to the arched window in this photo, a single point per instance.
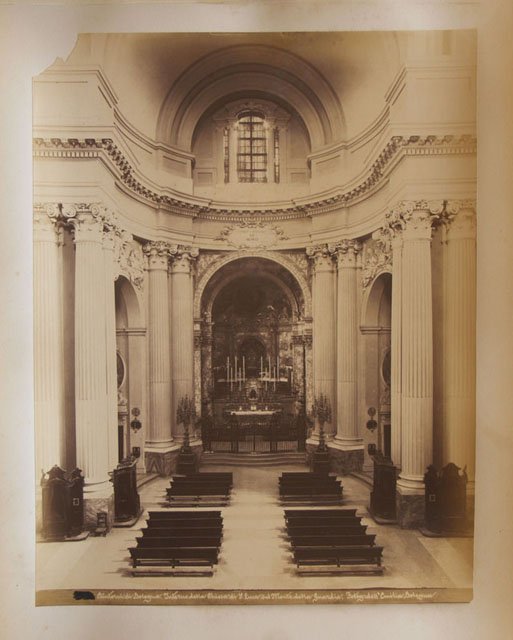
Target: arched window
pixel 252 147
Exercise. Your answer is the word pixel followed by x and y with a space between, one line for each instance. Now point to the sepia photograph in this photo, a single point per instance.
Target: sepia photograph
pixel 254 318
pixel 256 261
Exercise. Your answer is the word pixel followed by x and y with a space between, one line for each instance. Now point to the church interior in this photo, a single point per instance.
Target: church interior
pixel 254 308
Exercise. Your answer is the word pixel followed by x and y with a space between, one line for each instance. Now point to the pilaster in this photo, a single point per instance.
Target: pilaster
pixel 48 340
pixel 324 330
pixel 160 430
pixel 415 218
pixel 347 437
pixel 182 322
pixel 459 337
pixel 90 343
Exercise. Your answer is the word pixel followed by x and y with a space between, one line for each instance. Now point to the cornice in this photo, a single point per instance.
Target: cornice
pixel 396 148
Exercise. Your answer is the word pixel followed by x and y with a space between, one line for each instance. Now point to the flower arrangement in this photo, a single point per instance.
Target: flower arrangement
pixel 185 414
pixel 322 411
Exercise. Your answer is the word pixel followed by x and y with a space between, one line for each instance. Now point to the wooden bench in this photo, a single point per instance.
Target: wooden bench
pixel 163 523
pixel 312 499
pixel 344 530
pixel 173 557
pixel 337 556
pixel 297 513
pixel 165 542
pixel 193 532
pixel 185 515
pixel 310 490
pixel 286 475
pixel 197 489
pixel 363 539
pixel 226 476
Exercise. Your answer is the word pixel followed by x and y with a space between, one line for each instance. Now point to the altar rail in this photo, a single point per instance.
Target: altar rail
pixel 266 431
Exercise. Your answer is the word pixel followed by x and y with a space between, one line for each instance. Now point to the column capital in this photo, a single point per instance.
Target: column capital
pixel 321 256
pixel 460 219
pixel 182 258
pixel 87 221
pixel 415 218
pixel 46 222
pixel 157 254
pixel 346 252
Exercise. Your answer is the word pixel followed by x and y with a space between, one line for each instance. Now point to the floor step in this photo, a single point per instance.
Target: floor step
pixel 254 460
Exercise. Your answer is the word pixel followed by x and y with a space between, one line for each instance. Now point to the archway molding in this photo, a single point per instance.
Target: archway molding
pixel 264 255
pixel 294 82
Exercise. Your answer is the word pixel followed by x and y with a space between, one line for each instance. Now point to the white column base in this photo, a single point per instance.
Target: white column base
pixel 98 497
pixel 410 502
pixel 347 444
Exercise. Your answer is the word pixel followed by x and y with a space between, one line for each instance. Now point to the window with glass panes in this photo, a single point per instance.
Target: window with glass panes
pixel 252 148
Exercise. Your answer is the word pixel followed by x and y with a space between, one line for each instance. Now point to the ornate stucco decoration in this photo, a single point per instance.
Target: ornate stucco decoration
pixel 377 257
pixel 397 147
pixel 252 235
pixel 129 259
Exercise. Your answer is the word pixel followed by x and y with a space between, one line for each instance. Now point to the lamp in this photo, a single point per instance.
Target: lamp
pixel 371 424
pixel 135 425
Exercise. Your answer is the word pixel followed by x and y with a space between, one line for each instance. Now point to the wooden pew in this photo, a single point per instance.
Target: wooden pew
pixel 173 557
pixel 344 530
pixel 198 489
pixel 286 475
pixel 338 556
pixel 178 541
pixel 364 539
pixel 296 513
pixel 185 515
pixel 193 532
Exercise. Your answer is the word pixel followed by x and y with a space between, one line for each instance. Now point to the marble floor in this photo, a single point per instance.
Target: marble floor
pixel 254 552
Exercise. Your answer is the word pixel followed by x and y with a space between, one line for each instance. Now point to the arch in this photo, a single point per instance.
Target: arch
pixel 294 82
pixel 264 255
pixel 125 293
pixel 234 276
pixel 380 286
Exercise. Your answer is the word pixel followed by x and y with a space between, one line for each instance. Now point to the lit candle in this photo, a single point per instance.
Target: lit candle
pixel 261 366
pixel 244 368
pixel 227 376
pixel 236 370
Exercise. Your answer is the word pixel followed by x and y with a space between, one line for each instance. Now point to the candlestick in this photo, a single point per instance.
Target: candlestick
pixel 244 368
pixel 236 370
pixel 261 366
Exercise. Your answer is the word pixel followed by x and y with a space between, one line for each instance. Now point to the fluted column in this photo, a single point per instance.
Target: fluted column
pixel 160 428
pixel 182 322
pixel 90 344
pixel 416 358
pixel 48 341
pixel 347 346
pixel 459 344
pixel 109 239
pixel 396 341
pixel 324 330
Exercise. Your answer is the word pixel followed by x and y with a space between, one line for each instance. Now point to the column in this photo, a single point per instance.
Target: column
pixel 182 322
pixel 110 344
pixel 348 439
pixel 159 436
pixel 395 387
pixel 416 359
pixel 324 345
pixel 459 343
pixel 90 346
pixel 48 341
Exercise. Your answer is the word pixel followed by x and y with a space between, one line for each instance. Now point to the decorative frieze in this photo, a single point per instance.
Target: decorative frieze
pixel 398 146
pixel 252 234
